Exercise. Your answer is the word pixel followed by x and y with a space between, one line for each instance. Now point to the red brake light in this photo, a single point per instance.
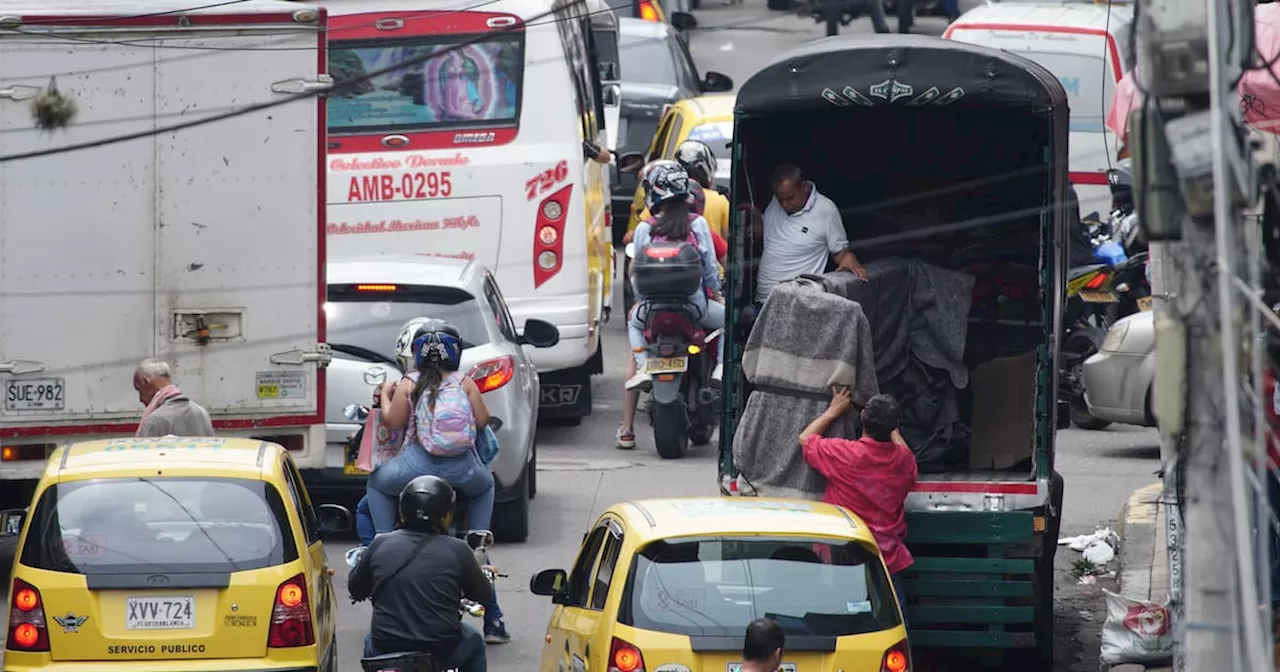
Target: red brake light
pixel 897 658
pixel 291 616
pixel 27 627
pixel 548 236
pixel 624 657
pixel 492 374
pixel 661 252
pixel 648 13
pixel 1097 281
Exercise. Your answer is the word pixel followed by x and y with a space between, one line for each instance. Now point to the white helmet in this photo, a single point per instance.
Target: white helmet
pixel 404 343
pixel 698 160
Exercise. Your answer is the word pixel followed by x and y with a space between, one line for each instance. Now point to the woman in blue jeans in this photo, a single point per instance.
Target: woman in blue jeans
pixel 439 408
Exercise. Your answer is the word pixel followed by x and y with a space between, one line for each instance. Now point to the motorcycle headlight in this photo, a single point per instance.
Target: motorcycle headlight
pixel 1115 338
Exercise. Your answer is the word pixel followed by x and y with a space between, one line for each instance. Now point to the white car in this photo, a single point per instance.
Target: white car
pixel 368 303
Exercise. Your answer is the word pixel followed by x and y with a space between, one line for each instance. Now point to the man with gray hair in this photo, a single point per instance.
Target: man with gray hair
pixel 168 410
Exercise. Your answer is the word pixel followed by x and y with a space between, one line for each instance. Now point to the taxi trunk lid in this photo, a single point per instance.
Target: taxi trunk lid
pixel 157 616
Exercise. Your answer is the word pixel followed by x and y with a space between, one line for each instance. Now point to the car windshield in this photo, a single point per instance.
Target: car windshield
pixel 476 83
pixel 371 320
pixel 717 586
pixel 158 525
pixel 646 61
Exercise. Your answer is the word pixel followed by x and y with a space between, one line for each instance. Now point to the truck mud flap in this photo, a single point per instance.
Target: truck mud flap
pixel 564 394
pixel 976 580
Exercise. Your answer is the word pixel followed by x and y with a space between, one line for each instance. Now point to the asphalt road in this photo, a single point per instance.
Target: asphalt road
pixel 582 474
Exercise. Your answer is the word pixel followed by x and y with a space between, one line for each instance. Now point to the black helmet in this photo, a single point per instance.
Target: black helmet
pixel 436 343
pixel 426 505
pixel 1120 179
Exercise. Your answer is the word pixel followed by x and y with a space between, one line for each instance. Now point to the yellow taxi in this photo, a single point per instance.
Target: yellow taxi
pixel 197 554
pixel 669 585
pixel 706 118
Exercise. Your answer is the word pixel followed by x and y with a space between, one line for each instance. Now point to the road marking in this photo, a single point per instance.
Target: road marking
pixel 1142 504
pixel 552 464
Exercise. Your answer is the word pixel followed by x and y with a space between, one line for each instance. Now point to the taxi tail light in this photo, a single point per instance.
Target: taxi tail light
pixel 1096 281
pixel 897 658
pixel 494 373
pixel 291 616
pixel 548 246
pixel 624 657
pixel 27 627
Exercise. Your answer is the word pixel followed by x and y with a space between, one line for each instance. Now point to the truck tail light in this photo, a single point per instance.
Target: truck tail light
pixel 548 236
pixel 27 627
pixel 494 373
pixel 291 616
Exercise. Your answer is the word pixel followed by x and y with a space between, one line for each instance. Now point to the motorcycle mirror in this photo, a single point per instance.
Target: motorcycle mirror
pixel 631 250
pixel 479 539
pixel 351 412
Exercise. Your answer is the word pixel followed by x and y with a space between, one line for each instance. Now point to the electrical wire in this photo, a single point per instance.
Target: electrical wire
pixel 267 105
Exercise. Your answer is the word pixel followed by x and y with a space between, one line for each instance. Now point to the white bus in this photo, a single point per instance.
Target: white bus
pixel 477 154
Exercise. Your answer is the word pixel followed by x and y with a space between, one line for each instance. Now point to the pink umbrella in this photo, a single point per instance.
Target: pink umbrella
pixel 1259 89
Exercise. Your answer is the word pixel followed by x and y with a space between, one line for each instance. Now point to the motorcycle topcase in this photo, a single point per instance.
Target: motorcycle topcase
pixel 401 662
pixel 667 269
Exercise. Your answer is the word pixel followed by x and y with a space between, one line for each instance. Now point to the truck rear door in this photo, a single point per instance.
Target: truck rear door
pixel 202 246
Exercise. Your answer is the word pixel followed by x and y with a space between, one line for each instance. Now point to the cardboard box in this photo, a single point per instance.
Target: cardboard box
pixel 1004 392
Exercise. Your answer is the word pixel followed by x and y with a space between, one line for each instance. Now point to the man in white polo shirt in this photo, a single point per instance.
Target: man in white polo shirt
pixel 800 228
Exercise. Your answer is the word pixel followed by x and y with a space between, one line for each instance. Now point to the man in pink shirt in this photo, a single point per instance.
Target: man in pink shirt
pixel 871 476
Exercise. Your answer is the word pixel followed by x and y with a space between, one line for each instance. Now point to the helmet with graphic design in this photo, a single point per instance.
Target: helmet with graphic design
pixel 648 169
pixel 698 160
pixel 404 343
pixel 436 344
pixel 665 183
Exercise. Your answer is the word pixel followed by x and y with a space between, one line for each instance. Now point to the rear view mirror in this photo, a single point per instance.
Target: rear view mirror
pixel 333 519
pixel 550 582
pixel 630 163
pixel 716 82
pixel 11 521
pixel 683 21
pixel 540 334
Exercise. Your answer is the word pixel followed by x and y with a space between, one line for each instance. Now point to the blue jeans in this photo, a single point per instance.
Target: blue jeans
pixel 466 473
pixel 712 318
pixel 468 657
pixel 901 591
pixel 366 531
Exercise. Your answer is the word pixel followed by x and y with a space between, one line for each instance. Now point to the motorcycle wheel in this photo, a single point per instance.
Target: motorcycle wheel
pixel 1080 346
pixel 670 429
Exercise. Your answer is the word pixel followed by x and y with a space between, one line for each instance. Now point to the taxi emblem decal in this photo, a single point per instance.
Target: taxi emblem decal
pixel 70 623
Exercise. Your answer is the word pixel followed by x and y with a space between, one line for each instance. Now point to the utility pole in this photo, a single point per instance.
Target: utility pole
pixel 1187 144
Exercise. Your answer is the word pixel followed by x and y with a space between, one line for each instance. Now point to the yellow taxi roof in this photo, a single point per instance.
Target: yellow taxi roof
pixel 713 107
pixel 695 516
pixel 245 458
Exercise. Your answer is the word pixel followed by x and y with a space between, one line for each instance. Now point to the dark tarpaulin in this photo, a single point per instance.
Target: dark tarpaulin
pixel 868 70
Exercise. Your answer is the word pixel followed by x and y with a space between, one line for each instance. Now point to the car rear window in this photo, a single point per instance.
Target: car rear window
pixel 647 60
pixel 372 320
pixel 157 524
pixel 717 586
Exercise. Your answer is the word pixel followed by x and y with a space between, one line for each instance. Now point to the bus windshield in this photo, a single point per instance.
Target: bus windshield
pixel 465 86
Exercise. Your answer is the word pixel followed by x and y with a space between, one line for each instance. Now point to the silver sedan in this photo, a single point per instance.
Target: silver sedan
pixel 1118 379
pixel 368 303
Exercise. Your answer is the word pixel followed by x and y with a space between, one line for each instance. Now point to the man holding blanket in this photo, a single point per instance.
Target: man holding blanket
pixel 871 476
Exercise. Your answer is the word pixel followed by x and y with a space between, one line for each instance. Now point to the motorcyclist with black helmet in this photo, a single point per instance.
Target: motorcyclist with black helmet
pixel 1120 179
pixel 416 577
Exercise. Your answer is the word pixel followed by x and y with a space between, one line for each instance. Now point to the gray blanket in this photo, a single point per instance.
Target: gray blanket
pixel 919 315
pixel 804 341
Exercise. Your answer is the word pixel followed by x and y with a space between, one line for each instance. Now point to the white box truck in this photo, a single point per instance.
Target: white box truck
pixel 203 247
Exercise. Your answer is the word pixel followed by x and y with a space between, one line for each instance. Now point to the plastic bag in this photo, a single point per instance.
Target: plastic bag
pixel 487 447
pixel 378 444
pixel 1136 631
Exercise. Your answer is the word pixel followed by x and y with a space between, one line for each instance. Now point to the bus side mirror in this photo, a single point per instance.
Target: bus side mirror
pixel 11 521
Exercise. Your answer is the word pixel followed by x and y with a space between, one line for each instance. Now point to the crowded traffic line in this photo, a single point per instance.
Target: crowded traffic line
pixel 375 343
